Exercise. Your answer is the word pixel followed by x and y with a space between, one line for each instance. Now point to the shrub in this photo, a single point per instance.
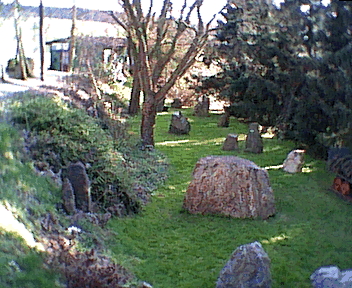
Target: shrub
pixel 60 134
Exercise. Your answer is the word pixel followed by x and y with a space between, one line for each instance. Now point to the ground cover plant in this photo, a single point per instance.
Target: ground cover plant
pixel 21 189
pixel 58 134
pixel 47 130
pixel 170 248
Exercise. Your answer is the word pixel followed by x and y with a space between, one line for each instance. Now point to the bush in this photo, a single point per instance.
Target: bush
pixel 60 134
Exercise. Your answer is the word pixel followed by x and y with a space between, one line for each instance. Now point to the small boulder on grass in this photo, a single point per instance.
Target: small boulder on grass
pixel 179 124
pixel 294 161
pixel 230 143
pixel 331 277
pixel 248 267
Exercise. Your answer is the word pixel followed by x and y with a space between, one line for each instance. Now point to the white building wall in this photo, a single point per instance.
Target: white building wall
pixel 53 29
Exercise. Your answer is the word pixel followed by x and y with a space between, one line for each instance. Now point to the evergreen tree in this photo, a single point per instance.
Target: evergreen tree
pixel 284 67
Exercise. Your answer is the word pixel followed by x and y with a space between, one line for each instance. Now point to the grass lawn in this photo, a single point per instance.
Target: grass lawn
pixel 169 248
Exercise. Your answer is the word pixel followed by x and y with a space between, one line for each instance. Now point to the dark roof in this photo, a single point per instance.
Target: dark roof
pixel 107 42
pixel 59 13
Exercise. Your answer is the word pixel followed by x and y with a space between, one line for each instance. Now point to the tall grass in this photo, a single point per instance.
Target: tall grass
pixel 169 248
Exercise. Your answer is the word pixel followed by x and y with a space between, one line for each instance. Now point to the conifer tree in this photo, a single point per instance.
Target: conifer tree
pixel 288 68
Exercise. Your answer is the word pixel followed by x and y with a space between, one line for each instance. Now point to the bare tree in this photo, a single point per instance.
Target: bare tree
pixel 20 50
pixel 73 38
pixel 41 39
pixel 153 56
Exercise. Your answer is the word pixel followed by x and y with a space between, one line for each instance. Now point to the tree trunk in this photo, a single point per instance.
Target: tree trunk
pixel 21 56
pixel 73 39
pixel 41 39
pixel 148 120
pixel 134 106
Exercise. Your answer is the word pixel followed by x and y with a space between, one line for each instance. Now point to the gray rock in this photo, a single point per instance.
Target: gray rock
pixel 331 277
pixel 254 142
pixel 202 107
pixel 81 186
pixel 249 267
pixel 68 197
pixel 294 161
pixel 230 143
pixel 179 124
pixel 177 103
pixel 224 120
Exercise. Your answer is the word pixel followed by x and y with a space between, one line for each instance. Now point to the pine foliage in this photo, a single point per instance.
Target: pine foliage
pixel 287 68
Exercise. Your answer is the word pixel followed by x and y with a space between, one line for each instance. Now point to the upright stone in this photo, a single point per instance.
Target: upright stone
pixel 230 186
pixel 224 120
pixel 249 267
pixel 68 197
pixel 179 124
pixel 294 161
pixel 177 103
pixel 202 107
pixel 230 143
pixel 254 142
pixel 81 186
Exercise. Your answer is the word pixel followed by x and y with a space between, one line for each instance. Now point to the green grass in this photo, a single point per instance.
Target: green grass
pixel 169 248
pixel 20 191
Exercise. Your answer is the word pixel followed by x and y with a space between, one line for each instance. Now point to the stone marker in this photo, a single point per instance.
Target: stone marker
pixel 254 142
pixel 230 186
pixel 294 161
pixel 230 143
pixel 202 107
pixel 331 277
pixel 68 197
pixel 81 186
pixel 249 267
pixel 224 120
pixel 177 103
pixel 179 124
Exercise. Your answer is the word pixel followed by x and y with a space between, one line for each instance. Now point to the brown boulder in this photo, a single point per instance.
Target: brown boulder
pixel 230 186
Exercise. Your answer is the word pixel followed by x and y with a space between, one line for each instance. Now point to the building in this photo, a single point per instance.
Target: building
pixel 57 29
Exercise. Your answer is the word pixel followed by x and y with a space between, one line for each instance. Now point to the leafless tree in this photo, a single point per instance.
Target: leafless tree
pixel 73 38
pixel 20 50
pixel 41 39
pixel 153 48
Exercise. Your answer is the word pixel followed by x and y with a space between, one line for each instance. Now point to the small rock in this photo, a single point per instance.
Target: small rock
pixel 179 124
pixel 230 143
pixel 294 161
pixel 177 103
pixel 331 277
pixel 249 267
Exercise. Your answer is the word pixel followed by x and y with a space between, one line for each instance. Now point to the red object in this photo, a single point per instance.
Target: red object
pixel 345 188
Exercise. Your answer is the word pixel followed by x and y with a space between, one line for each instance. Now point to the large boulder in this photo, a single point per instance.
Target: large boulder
pixel 331 277
pixel 231 186
pixel 179 124
pixel 249 267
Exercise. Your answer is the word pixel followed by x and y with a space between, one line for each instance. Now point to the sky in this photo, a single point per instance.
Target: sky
pixel 209 7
